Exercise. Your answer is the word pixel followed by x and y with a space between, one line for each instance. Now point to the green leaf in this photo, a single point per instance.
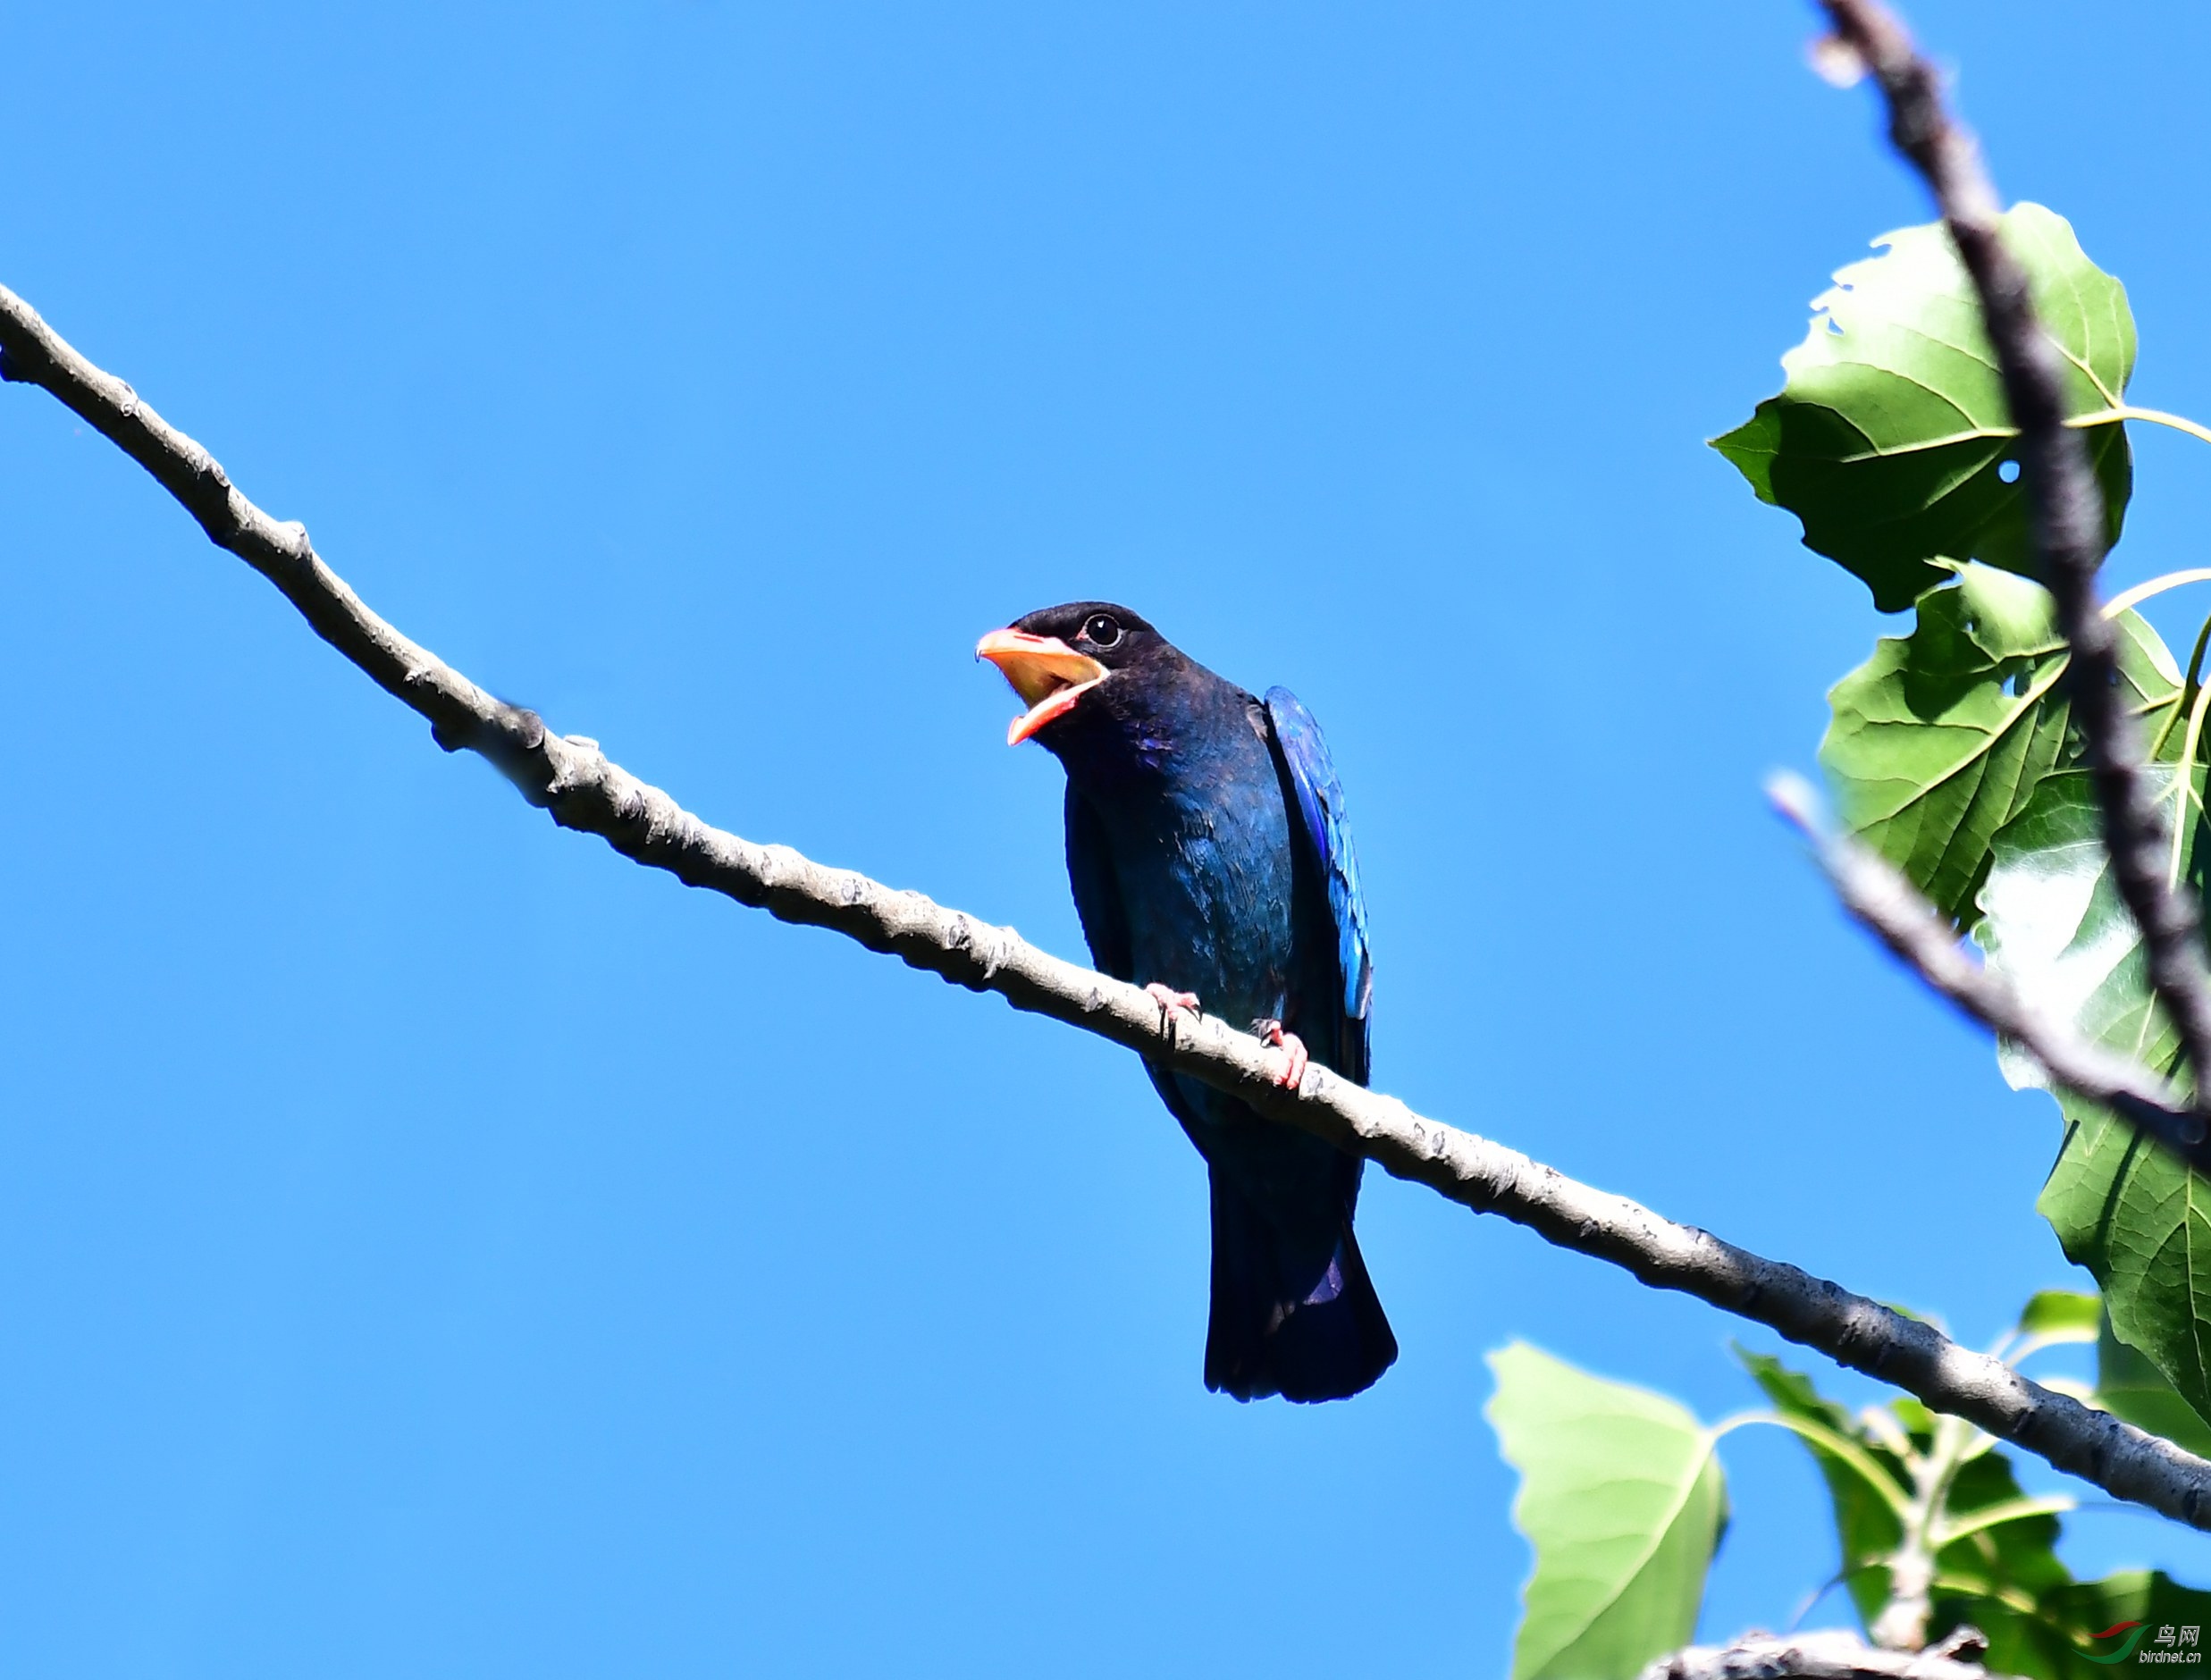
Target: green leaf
pixel 1997 1568
pixel 2015 1559
pixel 1624 1503
pixel 1939 739
pixel 2063 1313
pixel 2001 1558
pixel 2129 1386
pixel 2053 1635
pixel 1867 1529
pixel 2053 924
pixel 1889 436
pixel 2006 1579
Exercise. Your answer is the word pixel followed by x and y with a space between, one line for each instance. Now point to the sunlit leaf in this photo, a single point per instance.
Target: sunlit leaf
pixel 1623 1501
pixel 2062 1313
pixel 1891 439
pixel 2053 924
pixel 1938 740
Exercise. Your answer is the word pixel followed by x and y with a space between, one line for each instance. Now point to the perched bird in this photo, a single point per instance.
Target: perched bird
pixel 1210 860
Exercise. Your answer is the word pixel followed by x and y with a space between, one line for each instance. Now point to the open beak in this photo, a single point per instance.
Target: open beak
pixel 1046 673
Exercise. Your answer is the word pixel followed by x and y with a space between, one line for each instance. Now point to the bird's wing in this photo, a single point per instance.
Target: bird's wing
pixel 1097 893
pixel 1303 751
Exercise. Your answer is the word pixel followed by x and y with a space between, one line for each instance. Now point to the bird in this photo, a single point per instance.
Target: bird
pixel 1211 863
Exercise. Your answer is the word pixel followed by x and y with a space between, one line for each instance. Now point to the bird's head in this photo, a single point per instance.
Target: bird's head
pixel 1057 655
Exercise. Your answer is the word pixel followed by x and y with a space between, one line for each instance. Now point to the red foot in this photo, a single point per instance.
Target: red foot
pixel 1292 1047
pixel 1170 1000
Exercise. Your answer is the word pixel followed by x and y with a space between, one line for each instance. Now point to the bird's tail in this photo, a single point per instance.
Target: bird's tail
pixel 1300 1319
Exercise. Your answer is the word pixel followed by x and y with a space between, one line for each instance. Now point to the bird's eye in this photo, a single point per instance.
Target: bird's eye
pixel 1102 630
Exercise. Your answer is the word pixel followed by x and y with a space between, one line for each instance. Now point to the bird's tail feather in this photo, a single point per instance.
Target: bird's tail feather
pixel 1296 1319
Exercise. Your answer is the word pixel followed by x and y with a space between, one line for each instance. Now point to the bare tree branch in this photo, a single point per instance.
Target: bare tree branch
pixel 1877 893
pixel 2067 506
pixel 1823 1656
pixel 581 788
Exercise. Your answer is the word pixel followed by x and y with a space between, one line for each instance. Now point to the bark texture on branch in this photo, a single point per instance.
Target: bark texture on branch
pixel 1823 1656
pixel 573 781
pixel 1874 891
pixel 2066 505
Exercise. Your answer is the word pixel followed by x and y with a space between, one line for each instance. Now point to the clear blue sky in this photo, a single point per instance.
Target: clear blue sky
pixel 431 1245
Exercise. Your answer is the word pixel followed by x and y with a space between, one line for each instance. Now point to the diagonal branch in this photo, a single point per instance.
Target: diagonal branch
pixel 1875 892
pixel 569 778
pixel 2067 506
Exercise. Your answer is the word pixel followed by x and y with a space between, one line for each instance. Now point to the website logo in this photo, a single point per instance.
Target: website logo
pixel 2133 1632
pixel 2167 1644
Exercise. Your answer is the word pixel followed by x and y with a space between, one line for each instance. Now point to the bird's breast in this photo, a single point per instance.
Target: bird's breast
pixel 1206 877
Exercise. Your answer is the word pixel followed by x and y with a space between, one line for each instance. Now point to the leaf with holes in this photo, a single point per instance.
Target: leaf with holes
pixel 1624 1503
pixel 1891 439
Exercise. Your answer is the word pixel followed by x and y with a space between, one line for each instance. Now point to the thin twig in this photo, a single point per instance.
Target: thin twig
pixel 2067 506
pixel 581 788
pixel 1827 1655
pixel 1874 891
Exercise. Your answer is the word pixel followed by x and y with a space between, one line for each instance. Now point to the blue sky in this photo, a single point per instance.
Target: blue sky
pixel 431 1245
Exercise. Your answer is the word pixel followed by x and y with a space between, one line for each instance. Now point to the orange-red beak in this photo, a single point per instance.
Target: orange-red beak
pixel 1046 673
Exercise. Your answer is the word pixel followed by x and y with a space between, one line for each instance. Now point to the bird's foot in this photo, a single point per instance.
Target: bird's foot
pixel 1294 1058
pixel 1171 1002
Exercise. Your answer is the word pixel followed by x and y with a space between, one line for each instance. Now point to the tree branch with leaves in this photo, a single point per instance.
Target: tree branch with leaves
pixel 2023 768
pixel 1952 430
pixel 574 783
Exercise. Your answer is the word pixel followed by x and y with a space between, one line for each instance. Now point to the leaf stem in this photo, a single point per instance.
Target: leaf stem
pixel 2004 1593
pixel 1992 1516
pixel 2143 592
pixel 1840 1447
pixel 1813 1597
pixel 1902 1625
pixel 2152 416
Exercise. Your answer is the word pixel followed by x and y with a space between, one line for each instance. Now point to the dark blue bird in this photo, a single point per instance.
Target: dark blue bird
pixel 1210 860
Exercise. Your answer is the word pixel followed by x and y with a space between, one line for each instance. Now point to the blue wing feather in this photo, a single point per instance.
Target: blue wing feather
pixel 1304 751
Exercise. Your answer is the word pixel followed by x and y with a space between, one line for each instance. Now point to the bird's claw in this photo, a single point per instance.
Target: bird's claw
pixel 1171 1002
pixel 1294 1056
